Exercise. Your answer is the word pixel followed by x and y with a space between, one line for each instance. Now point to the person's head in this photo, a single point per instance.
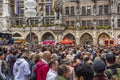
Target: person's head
pixel 47 55
pixel 2 56
pixel 64 70
pixel 84 72
pixel 99 66
pixel 53 64
pixel 36 58
pixel 110 58
pixel 25 56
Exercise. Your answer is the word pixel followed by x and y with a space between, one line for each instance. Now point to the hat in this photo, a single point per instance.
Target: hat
pixel 1 53
pixel 99 66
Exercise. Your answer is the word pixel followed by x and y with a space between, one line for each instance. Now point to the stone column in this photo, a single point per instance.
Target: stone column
pixel 6 14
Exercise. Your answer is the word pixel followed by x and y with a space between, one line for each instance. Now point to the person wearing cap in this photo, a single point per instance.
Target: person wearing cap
pixel 99 68
pixel 2 75
pixel 21 69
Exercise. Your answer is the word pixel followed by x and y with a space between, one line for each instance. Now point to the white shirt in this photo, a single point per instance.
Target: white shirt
pixel 51 75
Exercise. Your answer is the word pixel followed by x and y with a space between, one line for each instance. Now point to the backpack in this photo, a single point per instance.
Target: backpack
pixel 113 74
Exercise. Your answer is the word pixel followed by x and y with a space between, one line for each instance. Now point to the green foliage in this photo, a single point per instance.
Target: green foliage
pixel 72 27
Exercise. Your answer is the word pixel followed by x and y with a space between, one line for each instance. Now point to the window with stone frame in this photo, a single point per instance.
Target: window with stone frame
pixel 118 8
pixel 88 10
pixel 83 23
pixel 72 23
pixel 101 9
pixel 83 10
pixel 72 10
pixel 66 10
pixel 106 8
pixel 100 22
pixel 47 9
pixel 1 7
pixel 118 22
pixel 106 22
pixel 12 12
pixel 67 24
pixel 89 23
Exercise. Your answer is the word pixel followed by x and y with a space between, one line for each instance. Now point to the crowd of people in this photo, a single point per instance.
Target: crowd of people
pixel 59 62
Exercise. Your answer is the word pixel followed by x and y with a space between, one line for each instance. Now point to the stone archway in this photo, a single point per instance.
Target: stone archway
pixel 70 36
pixel 102 37
pixel 86 39
pixel 48 36
pixel 34 38
pixel 17 35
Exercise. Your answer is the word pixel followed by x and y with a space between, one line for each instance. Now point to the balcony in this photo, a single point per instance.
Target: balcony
pixel 36 28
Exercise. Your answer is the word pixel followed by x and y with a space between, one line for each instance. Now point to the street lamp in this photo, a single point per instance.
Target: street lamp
pixel 94 14
pixel 30 12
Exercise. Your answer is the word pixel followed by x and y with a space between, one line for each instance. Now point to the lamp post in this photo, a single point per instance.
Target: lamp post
pixel 30 13
pixel 94 22
pixel 77 17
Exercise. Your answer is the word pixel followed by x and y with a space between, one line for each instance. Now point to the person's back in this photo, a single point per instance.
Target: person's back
pixel 21 69
pixel 42 67
pixel 41 70
pixel 99 68
pixel 113 70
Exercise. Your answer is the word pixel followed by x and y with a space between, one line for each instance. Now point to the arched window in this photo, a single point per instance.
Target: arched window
pixel 17 35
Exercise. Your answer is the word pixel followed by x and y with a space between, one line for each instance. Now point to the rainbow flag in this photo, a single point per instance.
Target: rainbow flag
pixel 53 5
pixel 16 6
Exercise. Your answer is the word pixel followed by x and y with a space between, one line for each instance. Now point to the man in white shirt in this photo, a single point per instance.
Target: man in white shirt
pixel 52 73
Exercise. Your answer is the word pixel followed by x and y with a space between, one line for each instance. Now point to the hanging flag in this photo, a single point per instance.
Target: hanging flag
pixel 53 5
pixel 16 6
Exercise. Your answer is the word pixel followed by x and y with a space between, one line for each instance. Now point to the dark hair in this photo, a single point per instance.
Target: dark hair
pixel 52 62
pixel 84 70
pixel 110 57
pixel 62 69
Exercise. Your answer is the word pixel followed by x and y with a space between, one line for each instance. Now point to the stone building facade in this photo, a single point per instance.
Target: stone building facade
pixel 98 21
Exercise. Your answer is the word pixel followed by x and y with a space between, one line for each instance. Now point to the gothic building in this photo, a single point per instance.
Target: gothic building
pixel 83 21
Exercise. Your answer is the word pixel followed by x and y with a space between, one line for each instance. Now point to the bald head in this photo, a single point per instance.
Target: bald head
pixel 47 55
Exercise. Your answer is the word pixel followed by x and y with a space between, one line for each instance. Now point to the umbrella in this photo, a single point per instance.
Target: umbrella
pixel 66 41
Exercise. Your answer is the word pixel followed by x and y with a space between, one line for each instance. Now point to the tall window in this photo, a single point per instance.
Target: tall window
pixel 72 11
pixel 11 7
pixel 118 22
pixel 100 9
pixel 72 23
pixel 67 24
pixel 88 10
pixel 48 10
pixel 100 22
pixel 89 23
pixel 1 7
pixel 118 9
pixel 83 10
pixel 83 23
pixel 106 22
pixel 67 10
pixel 105 9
